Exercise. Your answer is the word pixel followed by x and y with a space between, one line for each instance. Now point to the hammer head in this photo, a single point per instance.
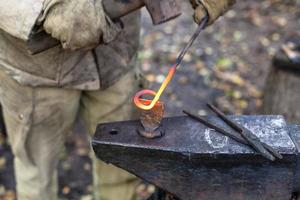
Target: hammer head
pixel 162 10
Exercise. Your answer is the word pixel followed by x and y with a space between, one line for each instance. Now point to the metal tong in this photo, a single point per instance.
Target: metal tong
pixel 201 27
pixel 244 136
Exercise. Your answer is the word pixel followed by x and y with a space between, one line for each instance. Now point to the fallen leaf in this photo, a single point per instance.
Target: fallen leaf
pixel 66 190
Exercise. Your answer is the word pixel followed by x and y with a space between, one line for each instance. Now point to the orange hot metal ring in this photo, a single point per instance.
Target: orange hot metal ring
pixel 146 106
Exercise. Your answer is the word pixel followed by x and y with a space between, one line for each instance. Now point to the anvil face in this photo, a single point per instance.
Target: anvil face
pixel 194 162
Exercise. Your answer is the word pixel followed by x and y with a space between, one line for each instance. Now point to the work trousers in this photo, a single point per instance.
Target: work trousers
pixel 38 119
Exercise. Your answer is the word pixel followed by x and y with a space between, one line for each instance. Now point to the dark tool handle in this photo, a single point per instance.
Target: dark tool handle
pixel 119 8
pixel 162 10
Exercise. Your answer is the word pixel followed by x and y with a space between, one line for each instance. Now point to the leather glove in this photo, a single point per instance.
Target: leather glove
pixel 77 23
pixel 214 9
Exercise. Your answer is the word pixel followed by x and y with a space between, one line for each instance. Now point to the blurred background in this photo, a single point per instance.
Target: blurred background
pixel 227 65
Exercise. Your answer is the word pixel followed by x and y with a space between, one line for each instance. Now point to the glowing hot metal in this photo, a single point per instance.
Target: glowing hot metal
pixel 137 98
pixel 157 95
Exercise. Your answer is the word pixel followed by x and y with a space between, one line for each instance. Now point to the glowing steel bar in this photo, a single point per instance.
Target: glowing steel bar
pixel 141 105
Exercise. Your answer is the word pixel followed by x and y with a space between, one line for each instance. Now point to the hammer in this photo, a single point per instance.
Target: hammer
pixel 160 11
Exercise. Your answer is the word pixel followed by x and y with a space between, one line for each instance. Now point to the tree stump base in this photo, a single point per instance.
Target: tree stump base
pixel 282 91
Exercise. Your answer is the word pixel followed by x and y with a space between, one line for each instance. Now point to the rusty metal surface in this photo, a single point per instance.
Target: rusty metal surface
pixel 151 120
pixel 194 162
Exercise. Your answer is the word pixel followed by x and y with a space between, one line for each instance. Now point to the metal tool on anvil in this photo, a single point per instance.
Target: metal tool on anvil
pixel 194 162
pixel 160 11
pixel 245 136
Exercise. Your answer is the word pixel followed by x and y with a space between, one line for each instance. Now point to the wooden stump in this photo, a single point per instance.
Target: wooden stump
pixel 282 91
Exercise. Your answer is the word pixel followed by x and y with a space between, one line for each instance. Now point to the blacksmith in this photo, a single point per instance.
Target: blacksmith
pixel 42 94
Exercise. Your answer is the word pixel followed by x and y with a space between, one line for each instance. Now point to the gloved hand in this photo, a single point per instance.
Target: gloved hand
pixel 77 23
pixel 214 9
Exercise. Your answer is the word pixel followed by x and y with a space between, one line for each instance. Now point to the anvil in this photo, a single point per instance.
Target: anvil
pixel 194 162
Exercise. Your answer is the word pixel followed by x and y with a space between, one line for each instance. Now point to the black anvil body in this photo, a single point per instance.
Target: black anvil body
pixel 193 162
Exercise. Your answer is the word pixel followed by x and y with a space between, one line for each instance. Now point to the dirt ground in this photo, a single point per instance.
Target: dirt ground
pixel 227 65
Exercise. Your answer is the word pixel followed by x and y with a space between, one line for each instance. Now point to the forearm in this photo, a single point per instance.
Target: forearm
pixel 18 17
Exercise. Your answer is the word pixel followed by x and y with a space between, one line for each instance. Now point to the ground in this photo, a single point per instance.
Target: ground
pixel 227 65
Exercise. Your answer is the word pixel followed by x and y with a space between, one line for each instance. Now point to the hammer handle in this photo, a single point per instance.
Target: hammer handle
pixel 115 9
pixel 119 8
